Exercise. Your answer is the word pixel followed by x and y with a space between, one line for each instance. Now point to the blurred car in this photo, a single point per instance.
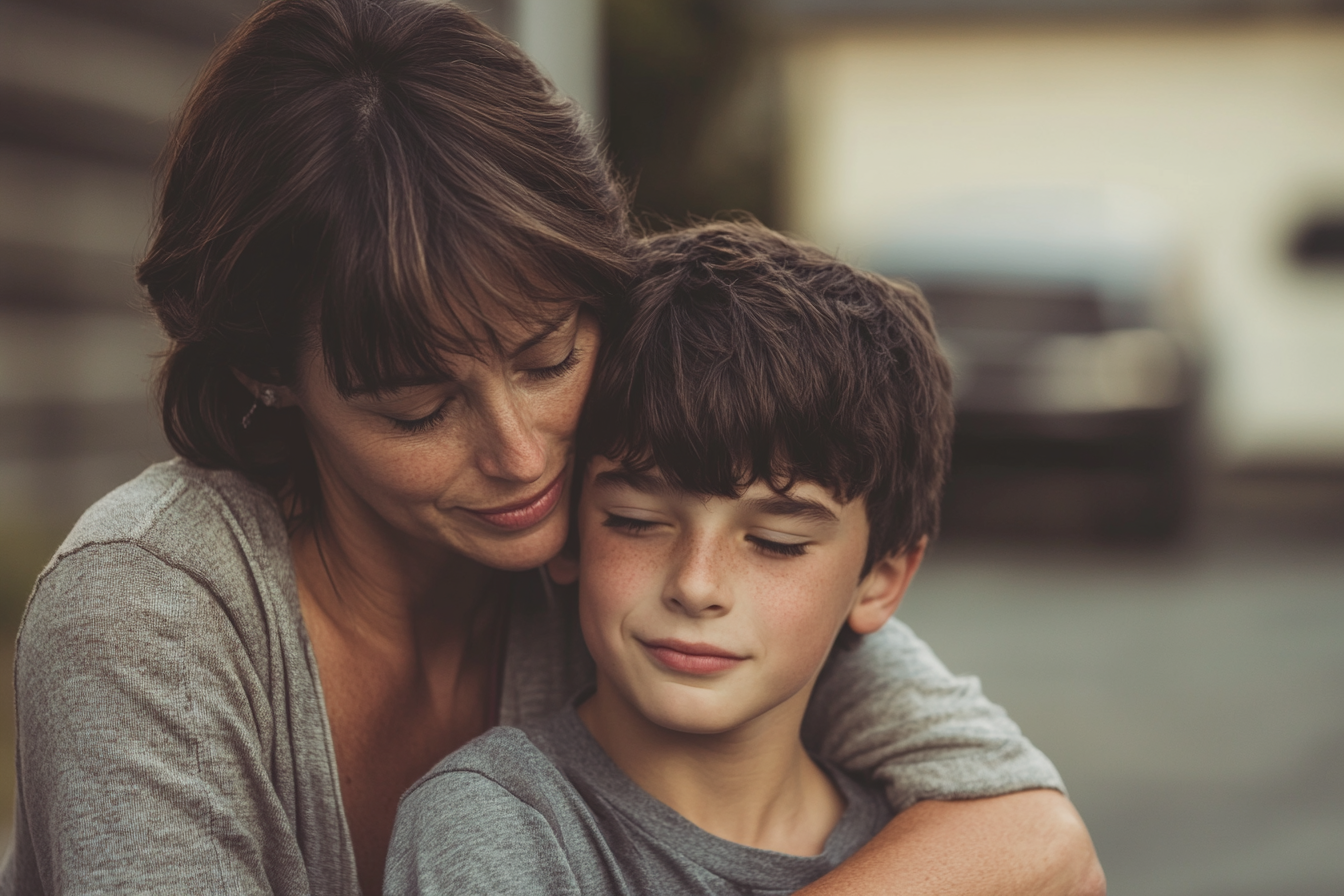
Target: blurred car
pixel 1058 311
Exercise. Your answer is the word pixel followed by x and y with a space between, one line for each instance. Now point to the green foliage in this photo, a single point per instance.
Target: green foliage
pixel 690 106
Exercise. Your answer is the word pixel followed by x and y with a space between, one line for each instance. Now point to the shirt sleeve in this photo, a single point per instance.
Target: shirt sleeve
pixel 142 753
pixel 890 711
pixel 462 834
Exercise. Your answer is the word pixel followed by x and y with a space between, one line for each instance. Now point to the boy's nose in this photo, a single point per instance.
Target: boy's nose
pixel 697 588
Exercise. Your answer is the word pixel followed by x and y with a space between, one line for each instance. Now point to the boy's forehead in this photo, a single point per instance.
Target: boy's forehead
pixel 605 471
pixel 804 498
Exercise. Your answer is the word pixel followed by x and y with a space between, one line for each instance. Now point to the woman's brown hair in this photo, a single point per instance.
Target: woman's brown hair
pixel 384 176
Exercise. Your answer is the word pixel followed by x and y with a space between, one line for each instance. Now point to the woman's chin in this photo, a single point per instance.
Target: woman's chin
pixel 516 551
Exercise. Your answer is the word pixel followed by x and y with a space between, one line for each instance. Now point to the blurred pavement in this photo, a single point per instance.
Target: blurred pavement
pixel 1189 695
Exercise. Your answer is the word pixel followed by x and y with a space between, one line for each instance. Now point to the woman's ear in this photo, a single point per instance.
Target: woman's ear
pixel 280 396
pixel 880 592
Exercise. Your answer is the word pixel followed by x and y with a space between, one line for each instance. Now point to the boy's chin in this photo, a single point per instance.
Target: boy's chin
pixel 692 714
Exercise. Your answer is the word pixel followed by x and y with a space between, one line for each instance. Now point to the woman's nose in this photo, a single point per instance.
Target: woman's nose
pixel 511 446
pixel 697 586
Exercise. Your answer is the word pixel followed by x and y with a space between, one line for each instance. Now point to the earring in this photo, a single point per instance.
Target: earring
pixel 265 397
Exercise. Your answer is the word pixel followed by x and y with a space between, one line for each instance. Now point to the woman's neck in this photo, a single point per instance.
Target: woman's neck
pixel 408 640
pixel 754 785
pixel 367 577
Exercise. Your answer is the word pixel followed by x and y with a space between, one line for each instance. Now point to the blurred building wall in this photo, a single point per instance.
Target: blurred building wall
pixel 86 93
pixel 1236 123
pixel 564 38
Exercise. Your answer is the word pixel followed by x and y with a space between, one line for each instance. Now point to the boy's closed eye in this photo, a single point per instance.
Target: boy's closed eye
pixel 770 544
pixel 628 523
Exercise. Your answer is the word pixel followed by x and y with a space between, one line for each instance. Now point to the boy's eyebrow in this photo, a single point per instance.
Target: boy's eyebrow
pixel 647 483
pixel 786 505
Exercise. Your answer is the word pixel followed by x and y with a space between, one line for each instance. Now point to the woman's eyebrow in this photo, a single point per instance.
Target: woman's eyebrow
pixel 540 336
pixel 785 505
pixel 386 388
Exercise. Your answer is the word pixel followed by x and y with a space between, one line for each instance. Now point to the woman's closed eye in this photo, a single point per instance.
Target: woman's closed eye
pixel 555 371
pixel 421 424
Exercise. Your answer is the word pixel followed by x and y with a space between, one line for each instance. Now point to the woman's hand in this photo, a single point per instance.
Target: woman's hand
pixel 1031 842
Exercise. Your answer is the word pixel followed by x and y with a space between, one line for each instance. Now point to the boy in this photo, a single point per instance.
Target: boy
pixel 760 465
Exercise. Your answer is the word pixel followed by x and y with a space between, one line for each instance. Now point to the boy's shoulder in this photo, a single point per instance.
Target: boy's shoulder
pixel 501 772
pixel 504 755
pixel 498 816
pixel 530 763
pixel 546 811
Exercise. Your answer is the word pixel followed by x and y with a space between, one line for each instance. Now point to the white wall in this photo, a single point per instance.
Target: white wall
pixel 564 38
pixel 1238 126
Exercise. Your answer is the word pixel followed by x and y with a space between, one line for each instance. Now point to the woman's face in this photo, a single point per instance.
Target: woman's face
pixel 480 464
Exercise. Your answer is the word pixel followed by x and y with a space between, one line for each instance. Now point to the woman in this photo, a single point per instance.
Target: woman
pixel 383 256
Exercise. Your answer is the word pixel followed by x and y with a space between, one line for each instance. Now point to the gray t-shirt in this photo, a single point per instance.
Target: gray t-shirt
pixel 547 813
pixel 172 737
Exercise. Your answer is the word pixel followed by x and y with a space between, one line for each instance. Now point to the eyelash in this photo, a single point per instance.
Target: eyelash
pixel 764 545
pixel 421 424
pixel 628 524
pixel 777 548
pixel 558 370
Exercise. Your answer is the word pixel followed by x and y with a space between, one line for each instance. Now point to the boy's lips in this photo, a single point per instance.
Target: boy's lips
pixel 525 513
pixel 691 657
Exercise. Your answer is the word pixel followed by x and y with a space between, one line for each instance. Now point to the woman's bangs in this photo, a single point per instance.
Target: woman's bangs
pixel 393 318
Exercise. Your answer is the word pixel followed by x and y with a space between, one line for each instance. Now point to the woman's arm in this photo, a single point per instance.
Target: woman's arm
pixel 981 809
pixel 152 756
pixel 1031 843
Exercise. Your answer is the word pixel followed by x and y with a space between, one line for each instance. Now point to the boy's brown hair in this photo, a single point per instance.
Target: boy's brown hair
pixel 747 355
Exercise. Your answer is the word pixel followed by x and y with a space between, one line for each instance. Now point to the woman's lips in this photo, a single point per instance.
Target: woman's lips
pixel 525 513
pixel 693 659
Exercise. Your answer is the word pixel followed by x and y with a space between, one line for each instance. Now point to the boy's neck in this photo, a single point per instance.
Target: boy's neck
pixel 754 785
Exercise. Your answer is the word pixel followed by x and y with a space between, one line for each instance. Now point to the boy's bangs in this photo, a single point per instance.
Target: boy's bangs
pixel 729 434
pixel 725 469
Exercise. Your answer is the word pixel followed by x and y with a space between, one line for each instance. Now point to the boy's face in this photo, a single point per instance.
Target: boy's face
pixel 704 613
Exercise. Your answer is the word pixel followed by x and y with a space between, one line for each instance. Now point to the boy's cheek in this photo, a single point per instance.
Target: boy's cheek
pixel 802 615
pixel 616 567
pixel 606 595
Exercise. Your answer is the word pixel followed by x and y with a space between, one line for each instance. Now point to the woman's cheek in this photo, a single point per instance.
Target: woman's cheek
pixel 409 472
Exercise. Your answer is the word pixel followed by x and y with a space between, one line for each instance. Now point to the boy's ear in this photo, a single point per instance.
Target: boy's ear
pixel 880 592
pixel 563 569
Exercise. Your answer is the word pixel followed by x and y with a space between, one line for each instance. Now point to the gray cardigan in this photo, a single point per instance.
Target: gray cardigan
pixel 172 736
